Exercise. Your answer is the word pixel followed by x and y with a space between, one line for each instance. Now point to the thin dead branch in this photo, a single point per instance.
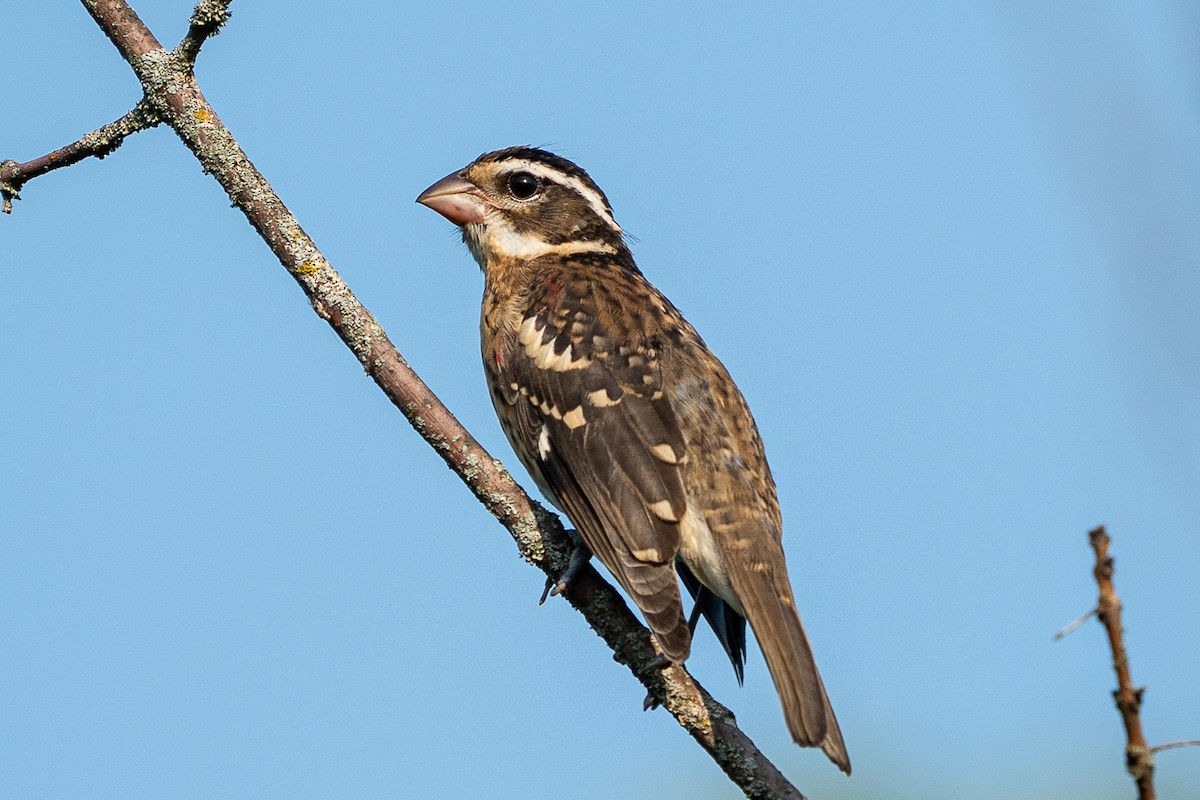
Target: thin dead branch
pixel 1158 748
pixel 1139 758
pixel 99 143
pixel 1074 624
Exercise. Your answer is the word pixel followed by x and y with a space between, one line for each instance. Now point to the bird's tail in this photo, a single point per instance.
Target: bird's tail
pixel 772 614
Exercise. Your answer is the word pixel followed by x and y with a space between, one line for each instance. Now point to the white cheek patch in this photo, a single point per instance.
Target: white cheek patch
pixel 503 241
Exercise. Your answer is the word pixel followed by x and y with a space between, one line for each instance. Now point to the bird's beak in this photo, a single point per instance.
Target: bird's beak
pixel 455 198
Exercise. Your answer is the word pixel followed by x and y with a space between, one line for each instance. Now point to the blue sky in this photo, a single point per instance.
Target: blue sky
pixel 949 255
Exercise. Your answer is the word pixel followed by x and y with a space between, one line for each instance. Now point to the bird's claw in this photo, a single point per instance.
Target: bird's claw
pixel 660 661
pixel 552 588
pixel 579 557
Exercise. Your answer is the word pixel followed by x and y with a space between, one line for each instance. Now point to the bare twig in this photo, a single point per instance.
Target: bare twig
pixel 1139 758
pixel 98 143
pixel 1158 748
pixel 207 19
pixel 1072 626
pixel 176 99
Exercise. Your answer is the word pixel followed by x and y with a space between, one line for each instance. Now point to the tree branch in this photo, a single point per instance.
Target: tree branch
pixel 123 27
pixel 173 96
pixel 207 20
pixel 99 143
pixel 1139 758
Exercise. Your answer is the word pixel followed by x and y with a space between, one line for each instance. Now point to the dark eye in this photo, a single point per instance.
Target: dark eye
pixel 522 185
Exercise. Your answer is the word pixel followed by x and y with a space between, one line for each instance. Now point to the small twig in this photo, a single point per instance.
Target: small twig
pixel 1139 758
pixel 207 20
pixel 1172 745
pixel 99 143
pixel 1074 625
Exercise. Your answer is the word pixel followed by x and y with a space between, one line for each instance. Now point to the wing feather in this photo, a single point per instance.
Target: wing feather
pixel 591 424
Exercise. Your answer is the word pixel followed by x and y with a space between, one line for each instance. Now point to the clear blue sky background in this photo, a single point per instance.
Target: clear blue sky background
pixel 950 255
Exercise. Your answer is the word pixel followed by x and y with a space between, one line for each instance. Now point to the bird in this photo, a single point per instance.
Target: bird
pixel 628 423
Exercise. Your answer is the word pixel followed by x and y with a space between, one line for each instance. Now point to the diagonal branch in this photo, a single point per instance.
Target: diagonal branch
pixel 174 97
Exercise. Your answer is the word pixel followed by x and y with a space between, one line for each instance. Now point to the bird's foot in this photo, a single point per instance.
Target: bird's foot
pixel 659 661
pixel 580 556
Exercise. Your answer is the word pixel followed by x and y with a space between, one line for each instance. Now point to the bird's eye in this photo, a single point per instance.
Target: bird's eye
pixel 522 185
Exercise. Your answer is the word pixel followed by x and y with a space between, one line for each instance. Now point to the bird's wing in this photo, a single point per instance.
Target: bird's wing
pixel 581 398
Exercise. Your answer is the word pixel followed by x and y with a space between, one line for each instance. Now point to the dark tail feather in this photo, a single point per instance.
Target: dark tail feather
pixel 729 625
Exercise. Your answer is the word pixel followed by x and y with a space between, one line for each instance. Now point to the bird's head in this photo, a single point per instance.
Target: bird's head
pixel 525 203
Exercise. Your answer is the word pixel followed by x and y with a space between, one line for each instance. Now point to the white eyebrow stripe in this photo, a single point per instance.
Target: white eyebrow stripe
pixel 558 176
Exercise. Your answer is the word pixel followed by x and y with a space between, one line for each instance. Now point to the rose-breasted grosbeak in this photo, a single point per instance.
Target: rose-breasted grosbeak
pixel 628 423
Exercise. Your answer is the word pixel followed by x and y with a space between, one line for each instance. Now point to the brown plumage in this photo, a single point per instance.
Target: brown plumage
pixel 628 422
